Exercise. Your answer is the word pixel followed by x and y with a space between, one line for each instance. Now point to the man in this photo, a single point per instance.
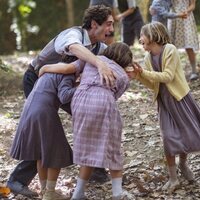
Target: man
pixel 113 4
pixel 70 44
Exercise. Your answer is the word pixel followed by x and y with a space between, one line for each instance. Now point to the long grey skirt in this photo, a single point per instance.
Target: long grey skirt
pixel 179 123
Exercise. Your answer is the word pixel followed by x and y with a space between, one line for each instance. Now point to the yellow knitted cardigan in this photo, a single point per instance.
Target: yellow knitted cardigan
pixel 172 74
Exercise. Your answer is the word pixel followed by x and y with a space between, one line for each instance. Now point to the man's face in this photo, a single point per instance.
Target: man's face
pixel 100 31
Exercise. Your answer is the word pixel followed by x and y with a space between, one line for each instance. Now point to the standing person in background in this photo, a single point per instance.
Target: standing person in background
pixel 184 32
pixel 160 11
pixel 132 21
pixel 178 112
pixel 70 44
pixel 113 4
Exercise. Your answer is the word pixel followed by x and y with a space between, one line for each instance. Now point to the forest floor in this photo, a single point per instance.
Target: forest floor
pixel 144 164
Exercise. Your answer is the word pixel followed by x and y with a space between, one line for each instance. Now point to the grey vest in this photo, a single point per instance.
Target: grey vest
pixel 48 55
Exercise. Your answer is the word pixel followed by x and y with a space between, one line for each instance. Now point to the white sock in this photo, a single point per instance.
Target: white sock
pixel 51 185
pixel 116 186
pixel 80 189
pixel 193 65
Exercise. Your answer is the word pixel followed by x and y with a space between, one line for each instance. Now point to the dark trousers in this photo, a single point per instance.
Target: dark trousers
pixel 25 171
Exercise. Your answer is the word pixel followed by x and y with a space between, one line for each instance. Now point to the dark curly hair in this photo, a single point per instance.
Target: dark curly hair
pixel 120 53
pixel 98 13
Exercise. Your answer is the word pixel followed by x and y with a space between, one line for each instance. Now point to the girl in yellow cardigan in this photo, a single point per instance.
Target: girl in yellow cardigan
pixel 179 114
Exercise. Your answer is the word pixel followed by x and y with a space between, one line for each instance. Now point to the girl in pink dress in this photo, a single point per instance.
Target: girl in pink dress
pixel 97 125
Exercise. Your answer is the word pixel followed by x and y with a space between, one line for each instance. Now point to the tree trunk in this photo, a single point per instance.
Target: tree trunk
pixel 70 12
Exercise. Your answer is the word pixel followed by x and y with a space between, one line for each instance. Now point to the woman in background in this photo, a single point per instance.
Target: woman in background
pixel 183 32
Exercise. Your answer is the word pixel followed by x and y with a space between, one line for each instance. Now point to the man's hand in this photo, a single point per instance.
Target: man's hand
pixel 118 17
pixel 106 73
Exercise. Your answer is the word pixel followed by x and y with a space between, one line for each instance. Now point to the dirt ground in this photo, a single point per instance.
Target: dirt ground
pixel 144 164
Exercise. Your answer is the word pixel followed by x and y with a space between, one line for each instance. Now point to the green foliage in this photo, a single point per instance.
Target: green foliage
pixel 79 7
pixel 55 20
pixel 196 13
pixel 21 10
pixel 31 24
pixel 24 10
pixel 50 20
pixel 3 66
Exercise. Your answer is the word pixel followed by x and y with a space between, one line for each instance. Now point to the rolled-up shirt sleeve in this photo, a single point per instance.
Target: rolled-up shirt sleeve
pixel 115 4
pixel 131 3
pixel 65 39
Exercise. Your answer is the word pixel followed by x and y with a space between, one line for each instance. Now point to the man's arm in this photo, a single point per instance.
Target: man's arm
pixel 84 54
pixel 130 10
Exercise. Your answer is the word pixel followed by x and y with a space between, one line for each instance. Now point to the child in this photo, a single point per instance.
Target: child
pixel 40 135
pixel 160 11
pixel 97 125
pixel 179 114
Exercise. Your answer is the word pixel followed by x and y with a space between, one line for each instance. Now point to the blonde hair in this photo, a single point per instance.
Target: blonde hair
pixel 156 32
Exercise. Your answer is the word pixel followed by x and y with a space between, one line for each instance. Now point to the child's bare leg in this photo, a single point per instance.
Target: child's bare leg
pixel 52 176
pixel 50 193
pixel 42 173
pixel 185 170
pixel 192 58
pixel 173 180
pixel 84 175
pixel 85 172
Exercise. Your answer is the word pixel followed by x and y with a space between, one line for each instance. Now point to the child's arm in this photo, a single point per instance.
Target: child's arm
pixel 135 71
pixel 60 68
pixel 170 65
pixel 171 15
pixel 63 68
pixel 66 89
pixel 157 8
pixel 138 70
pixel 124 14
pixel 191 6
